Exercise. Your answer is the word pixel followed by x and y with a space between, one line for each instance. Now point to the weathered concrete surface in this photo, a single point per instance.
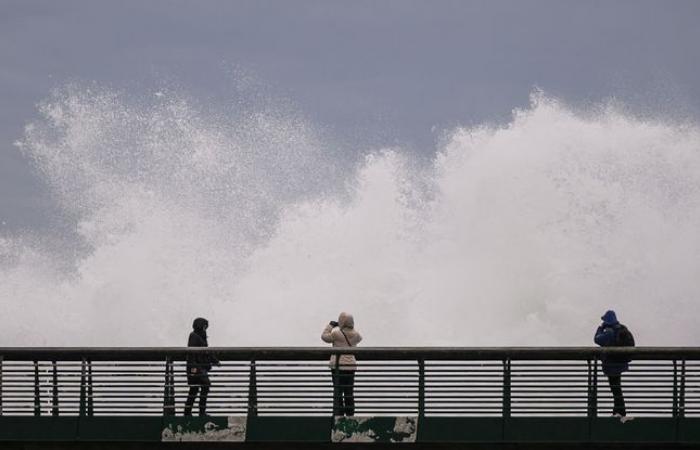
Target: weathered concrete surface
pixel 374 429
pixel 234 430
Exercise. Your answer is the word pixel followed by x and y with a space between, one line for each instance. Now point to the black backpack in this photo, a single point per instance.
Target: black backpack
pixel 624 337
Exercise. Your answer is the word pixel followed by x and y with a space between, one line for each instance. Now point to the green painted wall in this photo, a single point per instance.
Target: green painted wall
pixel 319 429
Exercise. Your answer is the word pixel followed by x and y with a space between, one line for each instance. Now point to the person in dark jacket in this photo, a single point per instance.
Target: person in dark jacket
pixel 611 333
pixel 198 367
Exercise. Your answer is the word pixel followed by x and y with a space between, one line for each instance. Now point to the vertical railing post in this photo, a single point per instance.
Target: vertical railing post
pixel 169 388
pixel 589 390
pixel 2 358
pixel 421 387
pixel 592 388
pixel 90 397
pixel 252 391
pixel 675 389
pixel 595 386
pixel 83 372
pixel 681 394
pixel 506 388
pixel 37 392
pixel 54 393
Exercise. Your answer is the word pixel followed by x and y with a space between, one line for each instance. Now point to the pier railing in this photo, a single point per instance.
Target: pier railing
pixel 500 382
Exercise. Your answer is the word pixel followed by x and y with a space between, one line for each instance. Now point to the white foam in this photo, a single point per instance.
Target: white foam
pixel 516 235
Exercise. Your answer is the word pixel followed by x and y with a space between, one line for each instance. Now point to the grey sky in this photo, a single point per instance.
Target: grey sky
pixel 373 72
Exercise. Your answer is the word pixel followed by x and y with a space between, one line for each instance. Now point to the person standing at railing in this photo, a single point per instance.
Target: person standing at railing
pixel 611 333
pixel 342 334
pixel 198 367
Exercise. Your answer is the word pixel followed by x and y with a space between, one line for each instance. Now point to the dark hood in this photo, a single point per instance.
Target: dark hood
pixel 610 318
pixel 199 325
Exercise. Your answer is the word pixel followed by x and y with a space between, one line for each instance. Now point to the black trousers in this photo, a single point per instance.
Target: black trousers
pixel 198 384
pixel 343 398
pixel 616 389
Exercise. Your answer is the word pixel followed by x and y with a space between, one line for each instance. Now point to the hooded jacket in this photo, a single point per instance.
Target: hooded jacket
pixel 200 363
pixel 607 336
pixel 344 335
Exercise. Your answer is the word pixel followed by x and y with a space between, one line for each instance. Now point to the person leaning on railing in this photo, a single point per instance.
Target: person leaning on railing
pixel 198 367
pixel 342 334
pixel 612 333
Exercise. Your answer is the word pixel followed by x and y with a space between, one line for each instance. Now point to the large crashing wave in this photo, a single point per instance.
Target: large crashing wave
pixel 516 235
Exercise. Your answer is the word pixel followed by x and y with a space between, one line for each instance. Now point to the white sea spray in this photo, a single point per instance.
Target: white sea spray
pixel 521 234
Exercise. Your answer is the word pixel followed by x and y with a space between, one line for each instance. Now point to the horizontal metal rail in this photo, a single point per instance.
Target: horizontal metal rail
pixel 374 353
pixel 502 382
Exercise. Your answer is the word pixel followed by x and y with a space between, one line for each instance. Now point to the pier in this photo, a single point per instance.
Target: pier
pixel 282 398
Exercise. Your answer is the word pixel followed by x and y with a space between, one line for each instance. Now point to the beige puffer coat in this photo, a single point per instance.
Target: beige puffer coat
pixel 337 337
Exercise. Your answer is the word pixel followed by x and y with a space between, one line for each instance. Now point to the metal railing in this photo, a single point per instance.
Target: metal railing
pixel 502 382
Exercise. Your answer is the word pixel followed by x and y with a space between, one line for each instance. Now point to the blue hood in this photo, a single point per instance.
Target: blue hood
pixel 609 318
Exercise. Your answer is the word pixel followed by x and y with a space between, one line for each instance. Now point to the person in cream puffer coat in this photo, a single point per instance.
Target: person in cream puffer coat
pixel 342 334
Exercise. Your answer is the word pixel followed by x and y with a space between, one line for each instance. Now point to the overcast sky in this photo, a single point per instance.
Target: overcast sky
pixel 373 72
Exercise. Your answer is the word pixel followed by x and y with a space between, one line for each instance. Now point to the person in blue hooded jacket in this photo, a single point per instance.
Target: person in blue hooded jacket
pixel 611 333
